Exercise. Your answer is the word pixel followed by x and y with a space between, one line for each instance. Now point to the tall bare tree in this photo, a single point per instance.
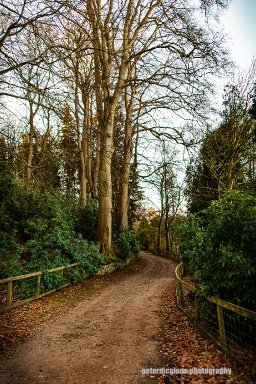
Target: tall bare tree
pixel 118 39
pixel 147 56
pixel 18 19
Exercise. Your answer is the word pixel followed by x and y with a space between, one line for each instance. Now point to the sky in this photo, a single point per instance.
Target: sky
pixel 239 22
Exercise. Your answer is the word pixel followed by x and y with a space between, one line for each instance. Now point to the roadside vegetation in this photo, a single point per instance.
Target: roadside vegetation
pixel 218 248
pixel 218 243
pixel 41 230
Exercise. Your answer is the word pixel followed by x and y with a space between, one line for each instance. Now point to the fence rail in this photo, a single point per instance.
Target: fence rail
pixel 232 327
pixel 8 300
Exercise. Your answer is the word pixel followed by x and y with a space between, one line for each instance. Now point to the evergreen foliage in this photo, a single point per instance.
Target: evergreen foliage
pixel 226 160
pixel 126 244
pixel 40 231
pixel 87 220
pixel 219 248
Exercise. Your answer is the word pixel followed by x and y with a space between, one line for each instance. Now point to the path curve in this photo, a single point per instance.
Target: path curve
pixel 106 338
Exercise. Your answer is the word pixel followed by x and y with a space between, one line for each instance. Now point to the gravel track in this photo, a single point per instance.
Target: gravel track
pixel 106 338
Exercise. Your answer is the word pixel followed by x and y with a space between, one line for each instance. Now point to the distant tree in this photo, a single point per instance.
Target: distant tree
pixel 47 162
pixel 252 110
pixel 69 153
pixel 163 180
pixel 201 187
pixel 9 141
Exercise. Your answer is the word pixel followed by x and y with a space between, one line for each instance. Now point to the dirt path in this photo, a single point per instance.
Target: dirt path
pixel 105 338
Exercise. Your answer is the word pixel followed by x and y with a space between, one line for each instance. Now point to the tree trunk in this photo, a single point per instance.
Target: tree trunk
pixel 80 142
pixel 89 152
pixel 167 208
pixel 166 225
pixel 96 168
pixel 158 245
pixel 105 189
pixel 30 142
pixel 124 187
pixel 83 192
pixel 230 176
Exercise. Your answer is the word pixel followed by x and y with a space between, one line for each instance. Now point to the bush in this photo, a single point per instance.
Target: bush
pixel 87 220
pixel 219 248
pixel 126 244
pixel 10 254
pixel 51 252
pixel 39 231
pixel 87 254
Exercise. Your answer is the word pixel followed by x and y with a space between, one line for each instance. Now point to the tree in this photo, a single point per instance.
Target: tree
pixel 163 179
pixel 129 131
pixel 108 94
pixel 145 56
pixel 33 85
pixel 17 19
pixel 77 75
pixel 219 248
pixel 69 153
pixel 226 157
pixel 201 187
pixel 143 28
pixel 252 110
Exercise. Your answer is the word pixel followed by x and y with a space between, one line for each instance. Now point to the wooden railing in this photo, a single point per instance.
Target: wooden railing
pixel 183 289
pixel 10 281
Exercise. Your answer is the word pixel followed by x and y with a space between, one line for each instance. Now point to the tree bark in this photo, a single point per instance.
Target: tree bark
pixel 82 173
pixel 30 142
pixel 105 189
pixel 124 187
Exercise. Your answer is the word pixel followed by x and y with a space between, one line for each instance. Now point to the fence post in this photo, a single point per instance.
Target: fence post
pixel 222 331
pixel 9 293
pixel 38 283
pixel 180 294
pixel 179 288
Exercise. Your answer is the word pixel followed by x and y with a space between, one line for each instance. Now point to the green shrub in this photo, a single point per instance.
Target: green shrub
pixel 219 248
pixel 27 288
pixel 49 253
pixel 10 254
pixel 127 244
pixel 87 220
pixel 53 251
pixel 52 280
pixel 39 231
pixel 87 254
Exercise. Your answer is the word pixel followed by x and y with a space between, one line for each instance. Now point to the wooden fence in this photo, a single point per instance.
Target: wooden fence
pixel 232 327
pixel 9 281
